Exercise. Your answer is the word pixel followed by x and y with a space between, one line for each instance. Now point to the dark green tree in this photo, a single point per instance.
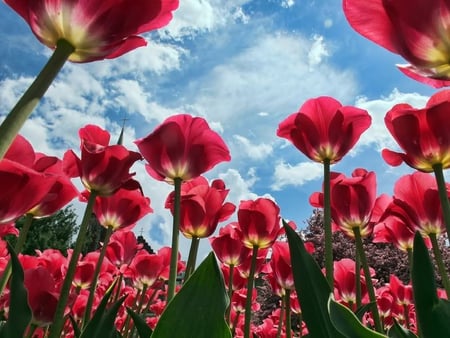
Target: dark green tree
pixel 56 231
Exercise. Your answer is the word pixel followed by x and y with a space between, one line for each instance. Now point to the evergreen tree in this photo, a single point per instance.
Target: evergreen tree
pixel 56 231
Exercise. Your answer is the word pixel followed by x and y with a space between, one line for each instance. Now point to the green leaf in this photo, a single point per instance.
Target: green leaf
pixel 198 310
pixel 362 310
pixel 102 323
pixel 312 288
pixel 398 331
pixel 347 323
pixel 433 314
pixel 19 311
pixel 141 326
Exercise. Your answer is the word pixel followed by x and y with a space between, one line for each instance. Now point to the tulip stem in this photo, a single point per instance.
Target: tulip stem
pixel 443 194
pixel 59 318
pixel 16 118
pixel 280 321
pixel 248 300
pixel 175 239
pixel 192 258
pixel 230 294
pixel 327 223
pixel 93 286
pixel 368 279
pixel 358 282
pixel 287 312
pixel 17 248
pixel 440 263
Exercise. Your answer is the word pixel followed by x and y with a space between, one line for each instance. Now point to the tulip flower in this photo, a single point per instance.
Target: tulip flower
pixel 228 247
pixel 323 129
pixel 417 30
pixel 145 269
pixel 182 147
pixel 121 210
pixel 96 30
pixel 203 206
pixel 103 168
pixel 352 201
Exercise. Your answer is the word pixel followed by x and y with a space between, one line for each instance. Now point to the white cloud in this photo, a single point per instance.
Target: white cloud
pixel 317 52
pixel 286 174
pixel 194 16
pixel 287 3
pixel 253 151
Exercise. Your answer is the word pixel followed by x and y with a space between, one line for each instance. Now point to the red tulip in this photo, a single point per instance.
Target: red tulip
pixel 202 207
pixel 394 230
pixel 228 247
pixel 96 29
pixel 122 209
pixel 42 295
pixel 423 134
pixel 103 168
pixel 282 266
pixel 344 281
pixel 22 189
pixel 403 293
pixel 416 202
pixel 323 129
pixel 258 223
pixel 122 247
pixel 182 147
pixel 414 29
pixel 146 269
pixel 353 200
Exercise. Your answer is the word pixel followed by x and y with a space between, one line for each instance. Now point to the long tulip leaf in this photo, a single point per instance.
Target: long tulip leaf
pixel 312 289
pixel 198 310
pixel 141 326
pixel 348 324
pixel 19 310
pixel 432 313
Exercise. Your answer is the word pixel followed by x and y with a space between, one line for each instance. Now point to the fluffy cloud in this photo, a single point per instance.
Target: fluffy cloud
pixel 286 174
pixel 253 151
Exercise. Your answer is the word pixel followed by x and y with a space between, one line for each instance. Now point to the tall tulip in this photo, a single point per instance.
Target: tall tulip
pixel 180 149
pixel 325 131
pixel 80 31
pixel 258 228
pixel 415 29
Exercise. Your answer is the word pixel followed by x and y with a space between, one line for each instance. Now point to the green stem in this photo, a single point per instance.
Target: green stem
pixel 287 312
pixel 230 294
pixel 440 263
pixel 192 258
pixel 368 278
pixel 358 282
pixel 118 288
pixel 248 301
pixel 175 239
pixel 59 319
pixel 93 286
pixel 16 118
pixel 443 195
pixel 327 223
pixel 18 248
pixel 280 321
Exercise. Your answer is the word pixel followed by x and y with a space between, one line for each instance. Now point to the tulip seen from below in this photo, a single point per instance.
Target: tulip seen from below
pixel 324 130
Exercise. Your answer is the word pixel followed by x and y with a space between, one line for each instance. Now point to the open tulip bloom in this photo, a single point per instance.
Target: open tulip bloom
pixel 415 29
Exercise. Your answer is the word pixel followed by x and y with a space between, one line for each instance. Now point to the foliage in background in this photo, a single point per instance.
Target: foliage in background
pixel 56 231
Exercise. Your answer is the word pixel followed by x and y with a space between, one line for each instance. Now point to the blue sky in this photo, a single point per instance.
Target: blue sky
pixel 244 66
